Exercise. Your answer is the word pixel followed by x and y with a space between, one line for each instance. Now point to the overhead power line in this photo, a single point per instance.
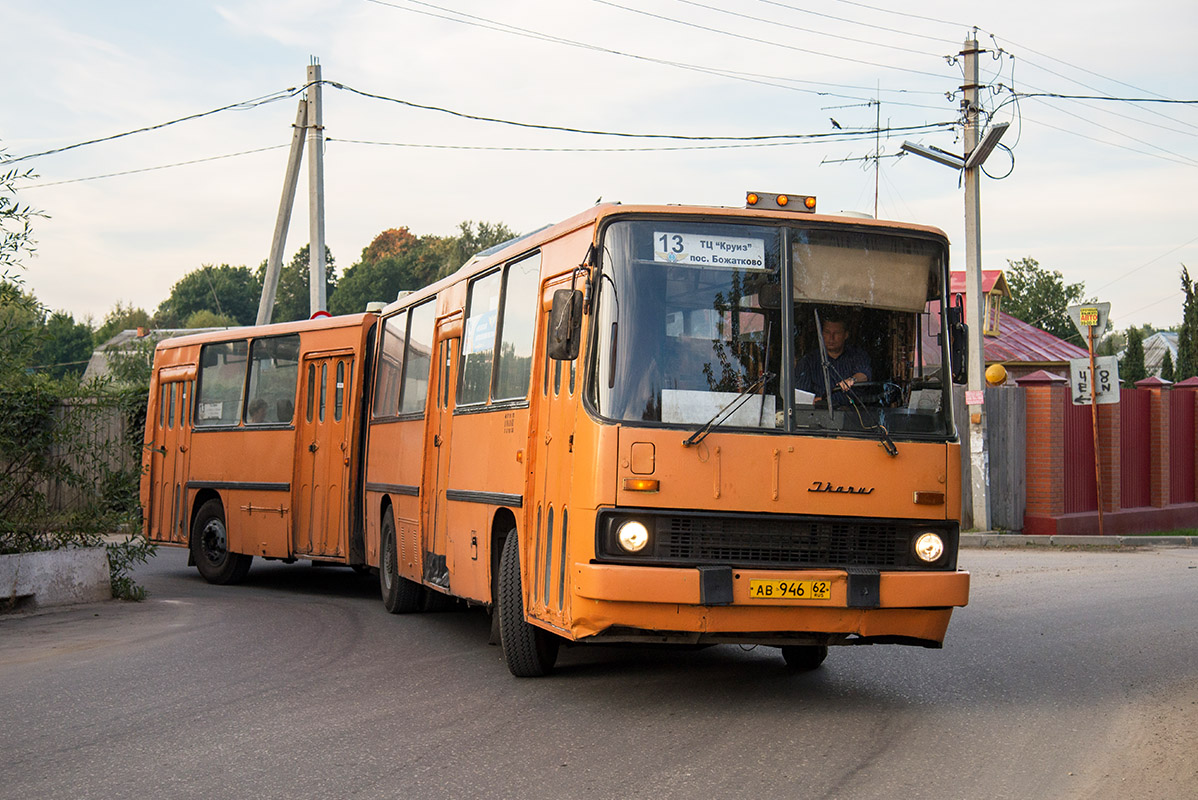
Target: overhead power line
pixel 1107 97
pixel 849 21
pixel 755 40
pixel 473 20
pixel 625 134
pixel 152 169
pixel 795 139
pixel 905 14
pixel 777 24
pixel 244 104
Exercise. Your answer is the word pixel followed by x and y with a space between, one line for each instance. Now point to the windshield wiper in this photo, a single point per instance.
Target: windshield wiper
pixel 727 410
pixel 823 362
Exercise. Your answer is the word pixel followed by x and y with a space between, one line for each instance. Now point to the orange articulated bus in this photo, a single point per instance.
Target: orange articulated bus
pixel 253 440
pixel 618 429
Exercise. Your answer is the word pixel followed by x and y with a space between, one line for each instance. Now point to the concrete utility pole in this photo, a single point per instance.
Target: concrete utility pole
pixel 978 455
pixel 317 299
pixel 274 264
pixel 308 118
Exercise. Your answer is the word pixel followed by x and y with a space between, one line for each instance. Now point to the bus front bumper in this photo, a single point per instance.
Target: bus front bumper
pixel 676 604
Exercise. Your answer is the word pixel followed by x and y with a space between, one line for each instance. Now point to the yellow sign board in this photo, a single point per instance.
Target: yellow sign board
pixel 1089 316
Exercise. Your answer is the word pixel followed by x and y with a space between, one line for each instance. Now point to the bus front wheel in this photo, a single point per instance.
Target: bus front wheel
pixel 529 651
pixel 210 547
pixel 400 595
pixel 804 657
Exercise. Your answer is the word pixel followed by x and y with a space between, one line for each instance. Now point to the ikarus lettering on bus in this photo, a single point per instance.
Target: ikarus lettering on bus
pixel 728 252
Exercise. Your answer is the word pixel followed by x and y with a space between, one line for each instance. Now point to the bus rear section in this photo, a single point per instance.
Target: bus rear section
pixel 762 450
pixel 253 441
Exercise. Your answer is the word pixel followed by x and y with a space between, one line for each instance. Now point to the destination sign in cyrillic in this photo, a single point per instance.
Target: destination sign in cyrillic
pixel 726 252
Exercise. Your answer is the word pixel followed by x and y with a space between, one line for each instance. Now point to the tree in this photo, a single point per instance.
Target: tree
pixel 1167 366
pixel 121 318
pixel 231 292
pixel 386 268
pixel 1040 297
pixel 209 319
pixel 1131 366
pixel 291 294
pixel 20 325
pixel 397 261
pixel 1187 336
pixel 20 312
pixel 391 242
pixel 472 240
pixel 64 346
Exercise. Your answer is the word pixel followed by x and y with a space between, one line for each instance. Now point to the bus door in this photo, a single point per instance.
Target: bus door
pixel 169 459
pixel 436 528
pixel 553 444
pixel 322 461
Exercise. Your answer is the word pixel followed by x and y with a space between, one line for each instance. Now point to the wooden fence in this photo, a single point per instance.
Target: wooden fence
pixel 1006 429
pixel 95 452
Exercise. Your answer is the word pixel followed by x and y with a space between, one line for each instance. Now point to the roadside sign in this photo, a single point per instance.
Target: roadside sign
pixel 1107 386
pixel 1090 315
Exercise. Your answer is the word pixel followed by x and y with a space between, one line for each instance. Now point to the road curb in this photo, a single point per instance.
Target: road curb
pixel 992 539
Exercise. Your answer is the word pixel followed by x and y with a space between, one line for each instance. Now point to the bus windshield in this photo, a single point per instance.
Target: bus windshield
pixel 693 314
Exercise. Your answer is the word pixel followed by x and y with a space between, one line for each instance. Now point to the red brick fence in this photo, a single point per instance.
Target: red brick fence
pixel 1147 447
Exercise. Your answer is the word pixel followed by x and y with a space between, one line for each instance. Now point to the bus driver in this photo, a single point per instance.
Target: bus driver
pixel 847 364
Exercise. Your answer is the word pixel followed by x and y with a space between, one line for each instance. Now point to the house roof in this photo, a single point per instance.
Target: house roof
pixel 1155 347
pixel 993 280
pixel 1019 341
pixel 125 342
pixel 1016 342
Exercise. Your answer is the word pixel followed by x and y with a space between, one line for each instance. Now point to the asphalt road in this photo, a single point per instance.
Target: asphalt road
pixel 1070 674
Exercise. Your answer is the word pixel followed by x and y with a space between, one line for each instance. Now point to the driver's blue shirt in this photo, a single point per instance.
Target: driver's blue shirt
pixel 810 376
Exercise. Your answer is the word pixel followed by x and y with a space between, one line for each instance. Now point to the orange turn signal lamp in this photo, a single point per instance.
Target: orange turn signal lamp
pixel 780 202
pixel 929 498
pixel 641 485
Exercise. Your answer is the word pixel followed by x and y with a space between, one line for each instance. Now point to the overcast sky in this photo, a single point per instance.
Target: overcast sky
pixel 1103 191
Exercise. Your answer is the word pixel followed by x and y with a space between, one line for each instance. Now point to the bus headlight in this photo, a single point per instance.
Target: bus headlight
pixel 929 547
pixel 633 536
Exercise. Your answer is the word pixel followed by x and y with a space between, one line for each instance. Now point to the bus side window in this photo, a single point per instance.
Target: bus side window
pixel 390 366
pixel 170 412
pixel 324 386
pixel 339 391
pixel 517 328
pixel 274 365
pixel 545 372
pixel 221 387
pixel 418 359
pixel 478 340
pixel 311 390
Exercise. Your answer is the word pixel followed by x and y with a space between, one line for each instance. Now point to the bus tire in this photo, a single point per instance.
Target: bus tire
pixel 804 657
pixel 530 652
pixel 400 595
pixel 210 547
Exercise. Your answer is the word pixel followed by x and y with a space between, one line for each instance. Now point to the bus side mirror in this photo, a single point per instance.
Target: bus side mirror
pixel 958 343
pixel 565 325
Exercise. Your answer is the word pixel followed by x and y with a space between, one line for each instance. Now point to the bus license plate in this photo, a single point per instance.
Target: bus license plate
pixel 789 590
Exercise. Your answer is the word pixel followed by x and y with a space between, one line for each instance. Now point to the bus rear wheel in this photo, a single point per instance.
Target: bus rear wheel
pixel 210 547
pixel 400 595
pixel 530 652
pixel 804 657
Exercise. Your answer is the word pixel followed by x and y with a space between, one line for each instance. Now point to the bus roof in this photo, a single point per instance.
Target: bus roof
pixel 593 216
pixel 274 329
